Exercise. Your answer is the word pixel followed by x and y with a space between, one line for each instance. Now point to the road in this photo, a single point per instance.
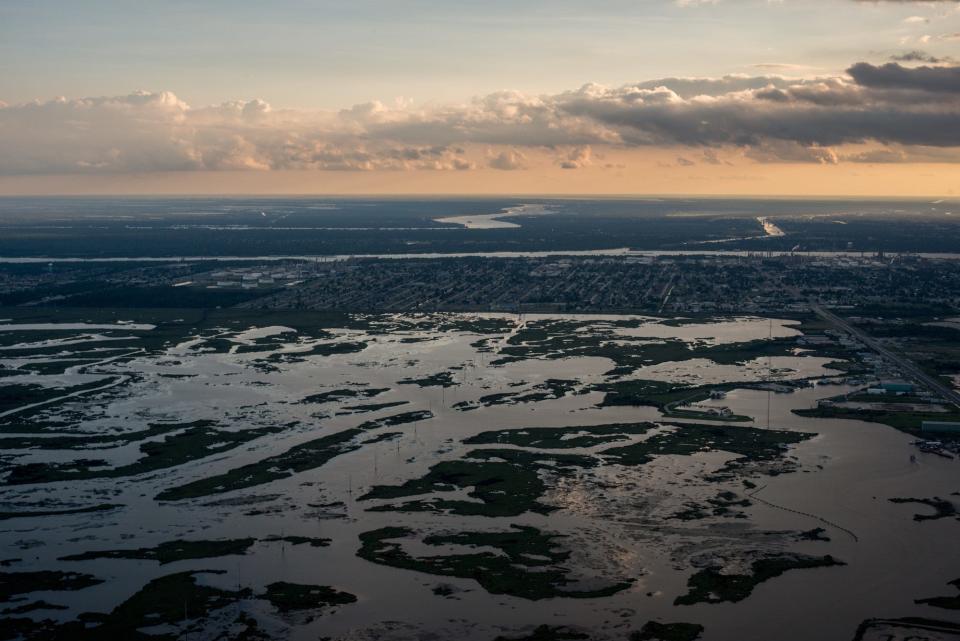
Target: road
pixel 905 365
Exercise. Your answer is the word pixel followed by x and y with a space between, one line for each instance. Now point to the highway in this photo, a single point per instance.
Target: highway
pixel 905 365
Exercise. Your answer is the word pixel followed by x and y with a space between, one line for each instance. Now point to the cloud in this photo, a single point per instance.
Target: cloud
pixel 138 132
pixel 780 66
pixel 823 113
pixel 919 56
pixel 764 118
pixel 508 160
pixel 896 76
pixel 777 151
pixel 710 157
pixel 577 157
pixel 146 131
pixel 693 87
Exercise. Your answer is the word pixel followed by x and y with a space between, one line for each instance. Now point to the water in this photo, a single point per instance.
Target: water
pixel 493 221
pixel 615 517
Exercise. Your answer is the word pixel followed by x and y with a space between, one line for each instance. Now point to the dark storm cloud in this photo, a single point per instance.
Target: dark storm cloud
pixel 749 122
pixel 895 76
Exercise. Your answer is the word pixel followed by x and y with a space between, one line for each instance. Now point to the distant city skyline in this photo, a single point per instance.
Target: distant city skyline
pixel 840 97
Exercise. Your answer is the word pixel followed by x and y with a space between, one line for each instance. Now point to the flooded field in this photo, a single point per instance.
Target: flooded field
pixel 451 476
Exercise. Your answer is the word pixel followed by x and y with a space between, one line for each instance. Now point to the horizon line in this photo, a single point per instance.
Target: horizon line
pixel 488 196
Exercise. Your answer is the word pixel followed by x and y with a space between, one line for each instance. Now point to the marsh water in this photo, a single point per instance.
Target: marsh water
pixel 618 522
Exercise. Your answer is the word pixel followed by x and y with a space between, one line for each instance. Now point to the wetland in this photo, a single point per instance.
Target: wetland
pixel 259 474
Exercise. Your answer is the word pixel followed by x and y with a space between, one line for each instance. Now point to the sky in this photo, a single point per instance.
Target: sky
pixel 764 97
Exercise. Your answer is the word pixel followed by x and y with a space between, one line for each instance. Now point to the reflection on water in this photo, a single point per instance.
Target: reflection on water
pixel 618 521
pixel 493 221
pixel 770 227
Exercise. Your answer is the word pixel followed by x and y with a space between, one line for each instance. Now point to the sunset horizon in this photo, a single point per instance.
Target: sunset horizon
pixel 830 97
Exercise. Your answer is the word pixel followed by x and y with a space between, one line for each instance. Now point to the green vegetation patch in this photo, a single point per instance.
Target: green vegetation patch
pixel 32 607
pixel 561 437
pixel 15 583
pixel 910 422
pixel 23 514
pixel 475 325
pixel 942 508
pixel 176 449
pixel 816 534
pixel 172 599
pixel 96 441
pixel 370 407
pixel 341 394
pixel 670 398
pixel 440 379
pixel 553 388
pixel 287 597
pixel 711 586
pixel 654 631
pixel 503 482
pixel 526 563
pixel 397 419
pixel 21 395
pixel 171 551
pixel 547 633
pixel 751 444
pixel 324 349
pixel 59 366
pixel 553 339
pixel 508 482
pixel 644 392
pixel 299 458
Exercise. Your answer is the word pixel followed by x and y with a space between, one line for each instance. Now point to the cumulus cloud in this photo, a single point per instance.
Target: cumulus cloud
pixel 158 132
pixel 508 160
pixel 766 118
pixel 912 107
pixel 576 158
pixel 139 132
